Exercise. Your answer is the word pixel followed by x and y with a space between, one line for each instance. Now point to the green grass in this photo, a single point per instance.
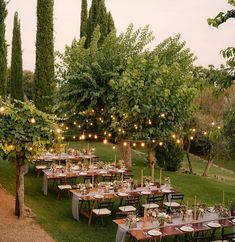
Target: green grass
pixel 56 217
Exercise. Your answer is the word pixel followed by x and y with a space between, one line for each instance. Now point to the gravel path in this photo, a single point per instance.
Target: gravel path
pixel 14 230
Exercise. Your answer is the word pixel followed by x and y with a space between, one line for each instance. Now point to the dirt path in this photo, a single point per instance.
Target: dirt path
pixel 15 230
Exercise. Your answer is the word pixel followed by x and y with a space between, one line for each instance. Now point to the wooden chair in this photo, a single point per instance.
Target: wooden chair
pixel 130 204
pixel 175 203
pixel 154 201
pixel 103 209
pixel 64 186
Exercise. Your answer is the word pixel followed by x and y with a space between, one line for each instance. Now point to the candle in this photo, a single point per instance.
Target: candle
pixel 195 207
pixel 142 178
pixel 115 159
pixel 160 177
pixel 187 206
pixel 88 147
pixel 152 175
pixel 122 179
pixel 92 181
pixel 223 198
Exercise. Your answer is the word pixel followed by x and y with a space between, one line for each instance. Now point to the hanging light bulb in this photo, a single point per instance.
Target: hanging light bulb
pixel 74 137
pixel 95 136
pixel 33 120
pixel 142 144
pixel 74 123
pixel 89 135
pixel 160 143
pixel 114 147
pixel 134 144
pixel 105 141
pixel 194 130
pixel 2 109
pixel 205 133
pixel 109 134
pixel 124 143
pixel 154 141
pixel 173 136
pixel 191 137
pixel 178 141
pixel 213 123
pixel 162 115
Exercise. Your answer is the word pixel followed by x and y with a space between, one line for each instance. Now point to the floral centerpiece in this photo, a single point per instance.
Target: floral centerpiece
pixel 222 211
pixel 120 164
pixel 198 211
pixel 162 218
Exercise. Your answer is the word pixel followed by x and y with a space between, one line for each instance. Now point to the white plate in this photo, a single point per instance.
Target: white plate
pixel 166 190
pixel 98 196
pixel 122 194
pixel 83 173
pixel 103 172
pixel 214 225
pixel 154 232
pixel 186 229
pixel 233 220
pixel 145 192
pixel 121 171
pixel 61 175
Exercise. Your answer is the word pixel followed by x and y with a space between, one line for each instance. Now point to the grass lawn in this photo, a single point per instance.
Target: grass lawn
pixel 55 215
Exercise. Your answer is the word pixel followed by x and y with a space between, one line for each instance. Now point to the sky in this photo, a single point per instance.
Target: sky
pixel 164 17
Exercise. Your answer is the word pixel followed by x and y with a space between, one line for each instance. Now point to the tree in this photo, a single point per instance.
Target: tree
pixel 98 15
pixel 24 131
pixel 83 25
pixel 3 50
pixel 28 77
pixel 228 53
pixel 44 81
pixel 154 95
pixel 16 81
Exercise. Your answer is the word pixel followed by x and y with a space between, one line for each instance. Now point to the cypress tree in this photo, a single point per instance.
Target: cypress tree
pixel 44 81
pixel 83 25
pixel 16 80
pixel 3 50
pixel 98 15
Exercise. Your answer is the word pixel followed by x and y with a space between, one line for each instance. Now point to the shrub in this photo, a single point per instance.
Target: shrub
pixel 169 156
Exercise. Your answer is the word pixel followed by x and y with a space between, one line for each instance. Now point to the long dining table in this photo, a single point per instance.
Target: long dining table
pixel 75 173
pixel 209 222
pixel 79 199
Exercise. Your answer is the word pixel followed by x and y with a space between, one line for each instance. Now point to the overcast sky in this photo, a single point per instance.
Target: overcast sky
pixel 165 18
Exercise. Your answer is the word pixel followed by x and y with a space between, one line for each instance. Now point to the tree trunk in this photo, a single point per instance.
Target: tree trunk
pixel 188 145
pixel 19 202
pixel 208 166
pixel 125 152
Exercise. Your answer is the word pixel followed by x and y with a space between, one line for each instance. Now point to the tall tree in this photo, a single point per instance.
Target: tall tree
pixel 16 80
pixel 3 50
pixel 98 15
pixel 44 80
pixel 83 25
pixel 228 53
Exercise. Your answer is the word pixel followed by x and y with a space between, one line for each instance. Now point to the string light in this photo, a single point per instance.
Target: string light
pixel 33 120
pixel 153 140
pixel 79 126
pixel 134 144
pixel 74 137
pixel 178 141
pixel 194 130
pixel 30 148
pixel 109 134
pixel 212 123
pixel 142 144
pixel 51 150
pixel 74 123
pixel 160 143
pixel 67 128
pixel 218 127
pixel 124 143
pixel 93 149
pixel 58 131
pixel 95 136
pixel 2 109
pixel 105 141
pixel 119 130
pixel 91 124
pixel 191 138
pixel 89 135
pixel 162 115
pixel 105 132
pixel 150 122
pixel 205 133
pixel 63 138
pixel 114 147
pixel 173 136
pixel 123 131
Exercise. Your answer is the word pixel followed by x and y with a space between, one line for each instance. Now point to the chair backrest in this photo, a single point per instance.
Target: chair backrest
pixel 177 197
pixel 133 200
pixel 106 204
pixel 67 181
pixel 156 199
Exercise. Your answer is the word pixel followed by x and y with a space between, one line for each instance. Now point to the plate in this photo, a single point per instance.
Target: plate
pixel 103 172
pixel 145 192
pixel 154 232
pixel 83 173
pixel 121 171
pixel 214 225
pixel 186 229
pixel 166 190
pixel 61 175
pixel 122 194
pixel 98 196
pixel 233 220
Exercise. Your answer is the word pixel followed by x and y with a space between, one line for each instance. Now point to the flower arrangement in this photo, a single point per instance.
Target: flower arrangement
pixel 120 164
pixel 198 210
pixel 162 218
pixel 221 210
